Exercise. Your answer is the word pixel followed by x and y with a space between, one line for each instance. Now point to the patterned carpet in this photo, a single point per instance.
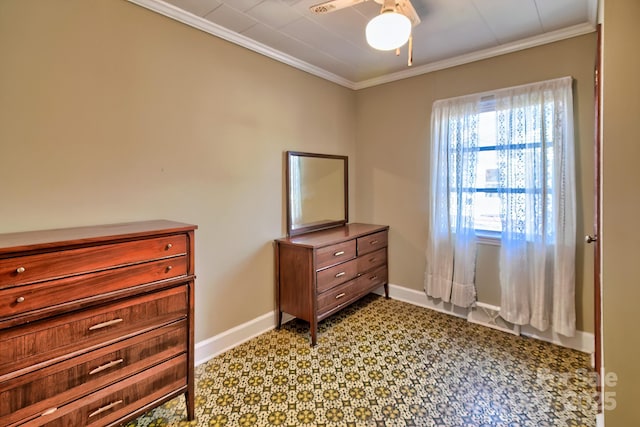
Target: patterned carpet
pixel 387 363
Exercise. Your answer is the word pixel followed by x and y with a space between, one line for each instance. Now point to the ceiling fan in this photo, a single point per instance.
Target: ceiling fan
pixel 390 30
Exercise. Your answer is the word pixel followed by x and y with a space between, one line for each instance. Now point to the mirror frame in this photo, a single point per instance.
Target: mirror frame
pixel 321 225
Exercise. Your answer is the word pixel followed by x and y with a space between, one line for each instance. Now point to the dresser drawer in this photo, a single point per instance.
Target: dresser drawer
pixel 336 296
pixel 332 276
pixel 372 279
pixel 23 299
pixel 52 265
pixel 118 400
pixel 47 342
pixel 372 260
pixel 63 382
pixel 352 290
pixel 335 254
pixel 372 242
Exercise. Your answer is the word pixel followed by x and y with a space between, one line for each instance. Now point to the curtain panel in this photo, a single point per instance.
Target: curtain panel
pixel 451 247
pixel 537 252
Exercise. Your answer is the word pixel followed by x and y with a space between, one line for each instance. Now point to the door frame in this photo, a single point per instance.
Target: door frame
pixel 597 288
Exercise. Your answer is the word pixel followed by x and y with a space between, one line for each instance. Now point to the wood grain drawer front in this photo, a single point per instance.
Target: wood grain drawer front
pixel 33 393
pixel 45 343
pixel 23 299
pixel 52 265
pixel 352 290
pixel 107 406
pixel 372 279
pixel 372 260
pixel 335 254
pixel 336 297
pixel 333 276
pixel 372 242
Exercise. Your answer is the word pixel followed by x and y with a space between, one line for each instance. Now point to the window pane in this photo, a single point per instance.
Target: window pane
pixel 487 175
pixel 487 205
pixel 487 212
pixel 487 129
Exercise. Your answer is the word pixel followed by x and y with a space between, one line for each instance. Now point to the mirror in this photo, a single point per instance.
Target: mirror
pixel 317 192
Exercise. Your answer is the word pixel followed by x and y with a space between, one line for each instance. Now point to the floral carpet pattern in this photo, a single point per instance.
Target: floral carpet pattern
pixel 384 362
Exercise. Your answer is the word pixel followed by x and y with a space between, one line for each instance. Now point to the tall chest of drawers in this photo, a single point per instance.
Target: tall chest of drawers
pixel 319 273
pixel 96 323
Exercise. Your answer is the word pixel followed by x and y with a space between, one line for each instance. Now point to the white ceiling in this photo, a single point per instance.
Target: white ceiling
pixel 333 45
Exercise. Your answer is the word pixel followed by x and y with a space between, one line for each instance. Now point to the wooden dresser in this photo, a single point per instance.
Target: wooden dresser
pixel 319 273
pixel 96 323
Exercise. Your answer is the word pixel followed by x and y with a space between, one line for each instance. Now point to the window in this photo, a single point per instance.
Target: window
pixel 502 164
pixel 517 157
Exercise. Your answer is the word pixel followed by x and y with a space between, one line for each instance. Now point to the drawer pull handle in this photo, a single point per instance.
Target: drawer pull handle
pixel 106 366
pixel 372 259
pixel 19 300
pixel 340 295
pixel 20 270
pixel 373 242
pixel 169 246
pixel 48 412
pixel 342 273
pixel 373 277
pixel 105 408
pixel 169 267
pixel 105 324
pixel 338 253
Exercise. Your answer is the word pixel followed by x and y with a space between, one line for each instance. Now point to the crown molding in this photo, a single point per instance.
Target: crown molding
pixel 550 37
pixel 209 27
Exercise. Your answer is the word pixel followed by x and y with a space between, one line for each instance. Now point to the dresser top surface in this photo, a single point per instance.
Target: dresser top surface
pixel 42 239
pixel 332 235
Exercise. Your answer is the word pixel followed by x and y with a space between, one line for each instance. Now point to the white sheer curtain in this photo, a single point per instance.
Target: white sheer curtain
pixel 535 145
pixel 451 247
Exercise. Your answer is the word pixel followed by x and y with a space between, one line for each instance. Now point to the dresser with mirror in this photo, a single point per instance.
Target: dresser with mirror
pixel 325 263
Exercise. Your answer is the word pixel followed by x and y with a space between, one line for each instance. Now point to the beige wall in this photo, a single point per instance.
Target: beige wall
pixel 110 113
pixel 621 209
pixel 393 156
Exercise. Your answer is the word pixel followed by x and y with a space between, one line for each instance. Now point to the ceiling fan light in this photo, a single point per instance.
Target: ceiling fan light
pixel 388 31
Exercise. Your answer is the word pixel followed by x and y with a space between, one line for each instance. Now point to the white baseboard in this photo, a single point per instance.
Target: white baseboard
pixel 600 419
pixel 211 347
pixel 582 341
pixel 286 317
pixel 420 299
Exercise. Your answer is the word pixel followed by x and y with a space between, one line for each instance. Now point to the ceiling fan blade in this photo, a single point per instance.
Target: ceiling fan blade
pixel 406 8
pixel 333 5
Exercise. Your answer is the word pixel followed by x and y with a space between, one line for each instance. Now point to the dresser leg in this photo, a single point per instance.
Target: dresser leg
pixel 189 398
pixel 386 290
pixel 279 319
pixel 313 329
